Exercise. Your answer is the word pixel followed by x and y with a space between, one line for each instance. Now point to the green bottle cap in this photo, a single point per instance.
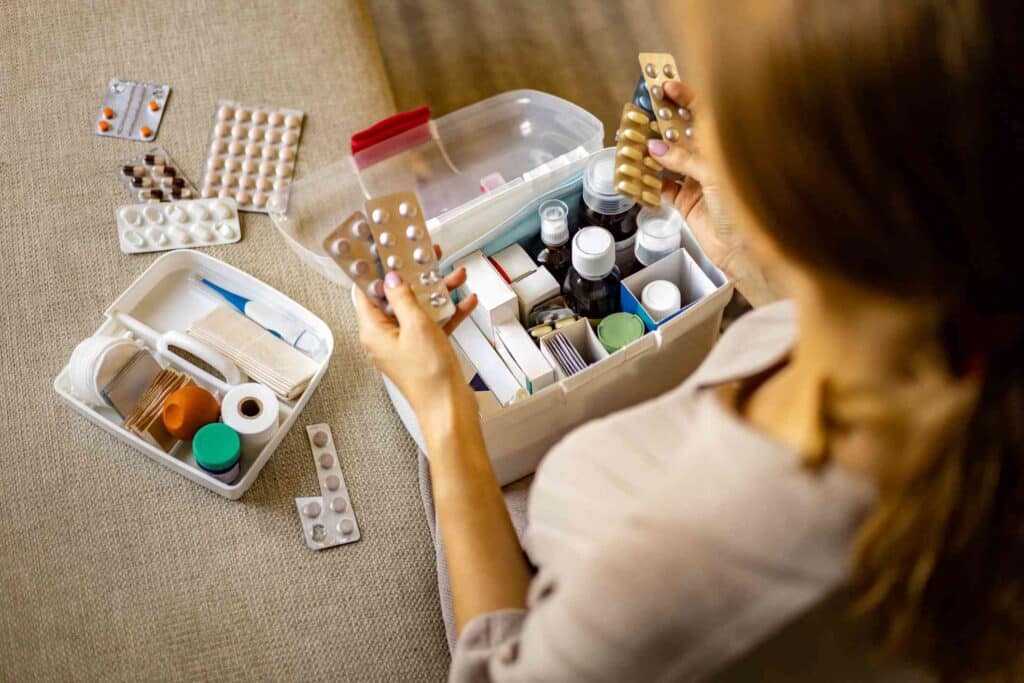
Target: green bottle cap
pixel 216 447
pixel 619 329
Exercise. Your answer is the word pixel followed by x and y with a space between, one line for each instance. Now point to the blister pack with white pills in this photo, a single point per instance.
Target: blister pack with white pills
pixel 351 246
pixel 131 110
pixel 404 245
pixel 673 120
pixel 636 172
pixel 327 520
pixel 252 155
pixel 153 175
pixel 185 224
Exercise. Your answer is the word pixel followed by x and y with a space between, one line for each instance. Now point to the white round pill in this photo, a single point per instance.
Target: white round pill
pixel 224 192
pixel 218 146
pixel 264 184
pixel 311 509
pixel 225 113
pixel 252 150
pixel 223 128
pixel 259 116
pixel 333 482
pixel 292 121
pixel 419 255
pixel 339 504
pixel 209 191
pixel 135 238
pixel 130 216
pixel 213 163
pixel 242 197
pixel 412 233
pixel 284 170
pixel 259 199
pixel 250 165
pixel 266 168
pixel 232 164
pixel 222 211
pixel 179 235
pixel 236 147
pixel 269 152
pixel 238 131
pixel 286 154
pixel 393 262
pixel 290 137
pixel 275 118
pixel 226 230
pixel 326 460
pixel 202 233
pixel 229 179
pixel 212 178
pixel 245 181
pixel 379 216
pixel 407 210
pixel 387 239
pixel 153 214
pixel 242 114
pixel 346 527
pixel 255 133
pixel 272 135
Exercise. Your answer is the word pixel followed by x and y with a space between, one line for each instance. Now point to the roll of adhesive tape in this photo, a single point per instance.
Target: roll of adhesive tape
pixel 94 362
pixel 252 411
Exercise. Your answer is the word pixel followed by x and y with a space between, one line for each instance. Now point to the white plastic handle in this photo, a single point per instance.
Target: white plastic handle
pixel 232 375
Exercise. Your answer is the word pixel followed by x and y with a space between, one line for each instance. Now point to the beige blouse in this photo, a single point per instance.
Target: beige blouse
pixel 672 538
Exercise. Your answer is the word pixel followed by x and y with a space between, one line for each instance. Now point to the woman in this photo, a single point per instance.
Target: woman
pixel 867 152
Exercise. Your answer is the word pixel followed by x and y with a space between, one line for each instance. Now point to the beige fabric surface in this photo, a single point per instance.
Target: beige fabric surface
pixel 451 53
pixel 111 566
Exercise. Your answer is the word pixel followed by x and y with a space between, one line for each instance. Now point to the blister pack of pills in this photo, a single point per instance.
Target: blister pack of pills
pixel 252 155
pixel 185 224
pixel 636 173
pixel 153 175
pixel 327 520
pixel 404 245
pixel 132 110
pixel 673 120
pixel 351 246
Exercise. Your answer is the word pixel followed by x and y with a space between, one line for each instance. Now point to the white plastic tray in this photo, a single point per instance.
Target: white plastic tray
pixel 163 300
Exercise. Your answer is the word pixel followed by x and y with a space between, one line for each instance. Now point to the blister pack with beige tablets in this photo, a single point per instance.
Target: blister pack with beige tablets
pixel 636 173
pixel 327 520
pixel 351 246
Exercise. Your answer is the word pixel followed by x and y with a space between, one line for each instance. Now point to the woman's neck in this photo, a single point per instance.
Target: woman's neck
pixel 847 338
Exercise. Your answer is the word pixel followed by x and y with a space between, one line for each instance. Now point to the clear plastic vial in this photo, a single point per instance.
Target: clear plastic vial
pixel 556 255
pixel 658 234
pixel 604 207
pixel 592 286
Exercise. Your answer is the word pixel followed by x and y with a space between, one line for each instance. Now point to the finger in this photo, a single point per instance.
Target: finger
pixel 374 324
pixel 670 189
pixel 456 279
pixel 403 301
pixel 679 92
pixel 676 157
pixel 690 193
pixel 462 311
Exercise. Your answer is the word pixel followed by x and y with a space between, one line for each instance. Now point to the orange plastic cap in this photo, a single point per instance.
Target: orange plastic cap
pixel 188 409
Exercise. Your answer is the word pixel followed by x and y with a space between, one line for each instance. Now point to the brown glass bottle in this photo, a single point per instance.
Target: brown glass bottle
pixel 592 286
pixel 601 205
pixel 556 254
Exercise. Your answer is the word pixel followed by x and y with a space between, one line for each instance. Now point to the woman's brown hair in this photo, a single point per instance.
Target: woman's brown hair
pixel 881 141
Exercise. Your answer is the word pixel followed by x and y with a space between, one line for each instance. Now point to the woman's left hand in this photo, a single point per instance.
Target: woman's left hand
pixel 411 349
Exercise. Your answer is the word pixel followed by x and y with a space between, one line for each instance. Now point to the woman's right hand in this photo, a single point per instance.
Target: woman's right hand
pixel 697 198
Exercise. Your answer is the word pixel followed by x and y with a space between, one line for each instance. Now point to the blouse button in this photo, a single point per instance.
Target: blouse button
pixel 509 652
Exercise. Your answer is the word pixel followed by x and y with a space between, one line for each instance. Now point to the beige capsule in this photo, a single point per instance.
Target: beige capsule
pixel 629 170
pixel 652 181
pixel 633 135
pixel 636 117
pixel 628 187
pixel 631 152
pixel 651 198
pixel 652 164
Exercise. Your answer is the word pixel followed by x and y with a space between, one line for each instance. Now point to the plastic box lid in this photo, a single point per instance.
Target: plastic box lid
pixel 445 161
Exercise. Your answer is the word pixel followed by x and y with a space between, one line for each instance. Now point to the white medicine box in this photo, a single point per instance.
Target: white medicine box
pixel 539 144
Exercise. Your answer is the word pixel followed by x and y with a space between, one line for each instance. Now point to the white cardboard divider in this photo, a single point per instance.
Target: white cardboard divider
pixel 680 269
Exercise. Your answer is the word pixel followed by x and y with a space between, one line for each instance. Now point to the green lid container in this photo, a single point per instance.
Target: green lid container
pixel 216 447
pixel 618 330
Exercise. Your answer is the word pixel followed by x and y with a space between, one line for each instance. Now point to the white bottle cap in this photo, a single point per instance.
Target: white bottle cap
pixel 554 223
pixel 599 192
pixel 593 252
pixel 661 298
pixel 658 233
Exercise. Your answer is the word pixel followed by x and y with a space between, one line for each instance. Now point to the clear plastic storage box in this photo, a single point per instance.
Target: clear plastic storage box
pixel 480 173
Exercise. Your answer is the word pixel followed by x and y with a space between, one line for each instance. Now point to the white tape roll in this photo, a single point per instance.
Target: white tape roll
pixel 252 411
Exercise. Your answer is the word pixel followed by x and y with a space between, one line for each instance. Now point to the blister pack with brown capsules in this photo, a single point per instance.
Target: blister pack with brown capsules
pixel 351 246
pixel 636 173
pixel 404 245
pixel 673 120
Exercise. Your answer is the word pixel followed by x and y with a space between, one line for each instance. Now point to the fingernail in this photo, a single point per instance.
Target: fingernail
pixel 657 147
pixel 392 279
